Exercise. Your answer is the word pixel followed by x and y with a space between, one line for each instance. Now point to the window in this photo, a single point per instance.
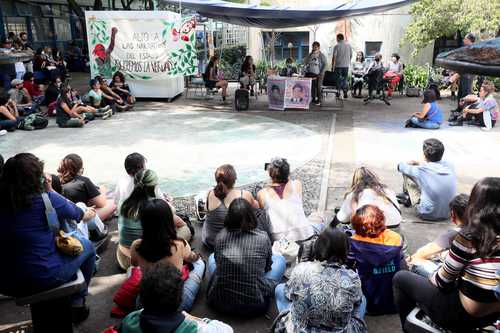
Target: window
pixel 15 24
pixel 63 28
pixel 372 48
pixel 41 29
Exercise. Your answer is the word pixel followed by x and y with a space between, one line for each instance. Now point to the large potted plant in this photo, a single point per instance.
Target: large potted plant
pixel 415 78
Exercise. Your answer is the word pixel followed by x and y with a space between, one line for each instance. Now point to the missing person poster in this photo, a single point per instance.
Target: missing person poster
pixel 143 45
pixel 297 93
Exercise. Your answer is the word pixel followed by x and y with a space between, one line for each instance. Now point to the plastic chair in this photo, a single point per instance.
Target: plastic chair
pixel 51 309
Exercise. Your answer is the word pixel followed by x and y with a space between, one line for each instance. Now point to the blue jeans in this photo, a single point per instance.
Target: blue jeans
pixel 9 124
pixel 275 274
pixel 341 78
pixel 85 262
pixel 283 303
pixel 424 123
pixel 192 285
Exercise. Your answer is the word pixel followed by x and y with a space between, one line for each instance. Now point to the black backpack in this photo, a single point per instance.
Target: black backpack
pixel 241 100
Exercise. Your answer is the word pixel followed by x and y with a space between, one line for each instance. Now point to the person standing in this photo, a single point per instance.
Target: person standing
pixel 341 59
pixel 315 64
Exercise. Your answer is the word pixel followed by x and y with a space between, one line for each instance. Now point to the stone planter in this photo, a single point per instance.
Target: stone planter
pixel 413 91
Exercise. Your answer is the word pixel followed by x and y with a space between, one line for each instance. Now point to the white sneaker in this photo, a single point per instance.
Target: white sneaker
pixel 107 114
pixel 3 132
pixel 486 129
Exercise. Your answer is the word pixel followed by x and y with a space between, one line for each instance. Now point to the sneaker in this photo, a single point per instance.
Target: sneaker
pixel 107 114
pixel 317 102
pixel 3 132
pixel 486 129
pixel 28 128
pixel 106 108
pixel 403 199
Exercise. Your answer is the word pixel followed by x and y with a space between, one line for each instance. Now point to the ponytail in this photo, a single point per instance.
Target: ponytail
pixel 225 176
pixel 221 190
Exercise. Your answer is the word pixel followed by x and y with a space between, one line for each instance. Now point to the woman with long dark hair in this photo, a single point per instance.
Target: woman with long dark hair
pixel 243 271
pixel 461 294
pixel 27 243
pixel 159 243
pixel 324 292
pixel 211 77
pixel 247 74
pixel 358 73
pixel 79 188
pixel 367 189
pixel 218 199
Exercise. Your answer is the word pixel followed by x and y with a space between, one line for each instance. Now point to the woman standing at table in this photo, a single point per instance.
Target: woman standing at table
pixel 315 64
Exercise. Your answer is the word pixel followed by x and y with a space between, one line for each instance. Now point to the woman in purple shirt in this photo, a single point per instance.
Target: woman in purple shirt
pixel 27 245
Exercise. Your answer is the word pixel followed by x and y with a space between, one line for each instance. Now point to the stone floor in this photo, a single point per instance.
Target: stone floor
pixel 370 135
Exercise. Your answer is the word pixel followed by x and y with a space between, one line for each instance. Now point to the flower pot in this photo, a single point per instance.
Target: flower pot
pixel 413 91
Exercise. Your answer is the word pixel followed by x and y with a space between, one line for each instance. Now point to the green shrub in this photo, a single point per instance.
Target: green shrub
pixel 416 76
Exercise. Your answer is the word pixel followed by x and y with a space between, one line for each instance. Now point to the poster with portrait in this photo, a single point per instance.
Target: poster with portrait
pixel 143 45
pixel 297 93
pixel 276 92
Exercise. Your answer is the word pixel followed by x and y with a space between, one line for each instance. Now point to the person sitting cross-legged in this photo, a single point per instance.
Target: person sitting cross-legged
pixel 322 295
pixel 429 185
pixel 161 296
pixel 422 261
pixel 431 115
pixel 460 296
pixel 9 116
pixel 159 243
pixel 483 108
pixel 243 271
pixel 377 254
pixel 27 245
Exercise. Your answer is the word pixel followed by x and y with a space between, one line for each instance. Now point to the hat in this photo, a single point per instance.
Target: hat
pixel 15 82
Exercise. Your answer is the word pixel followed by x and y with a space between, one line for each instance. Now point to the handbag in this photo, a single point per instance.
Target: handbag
pixel 65 242
pixel 288 249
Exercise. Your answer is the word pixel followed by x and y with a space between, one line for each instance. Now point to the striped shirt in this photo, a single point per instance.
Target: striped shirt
pixel 476 276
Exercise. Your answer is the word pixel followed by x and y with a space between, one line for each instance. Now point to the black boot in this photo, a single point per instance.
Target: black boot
pixel 458 122
pixel 404 199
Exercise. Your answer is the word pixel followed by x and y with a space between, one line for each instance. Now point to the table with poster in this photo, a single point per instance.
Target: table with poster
pixel 289 92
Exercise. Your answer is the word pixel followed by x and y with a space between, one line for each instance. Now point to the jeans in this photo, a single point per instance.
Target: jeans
pixel 192 285
pixel 92 224
pixel 9 124
pixel 315 86
pixel 85 262
pixel 444 309
pixel 283 303
pixel 424 123
pixel 341 78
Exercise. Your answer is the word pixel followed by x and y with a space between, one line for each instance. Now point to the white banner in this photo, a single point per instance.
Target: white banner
pixel 143 45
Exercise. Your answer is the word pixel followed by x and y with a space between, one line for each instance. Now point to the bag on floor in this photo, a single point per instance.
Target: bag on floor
pixel 33 121
pixel 241 100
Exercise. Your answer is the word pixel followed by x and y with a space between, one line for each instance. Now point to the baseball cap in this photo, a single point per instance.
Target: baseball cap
pixel 15 82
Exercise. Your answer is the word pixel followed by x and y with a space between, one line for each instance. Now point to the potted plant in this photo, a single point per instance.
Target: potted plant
pixel 415 78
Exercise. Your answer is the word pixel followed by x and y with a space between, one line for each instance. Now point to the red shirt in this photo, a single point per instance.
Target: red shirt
pixel 32 88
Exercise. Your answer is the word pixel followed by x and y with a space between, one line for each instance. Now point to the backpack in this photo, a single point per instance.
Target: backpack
pixel 241 100
pixel 33 121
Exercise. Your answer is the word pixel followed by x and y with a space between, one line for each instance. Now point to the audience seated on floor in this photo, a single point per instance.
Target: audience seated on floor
pixel 134 163
pixel 79 188
pixel 322 295
pixel 377 254
pixel 20 97
pixel 366 189
pixel 115 99
pixel 98 99
pixel 34 262
pixel 161 295
pixel 243 271
pixel 484 109
pixel 431 115
pixel 282 200
pixel 121 88
pixel 460 296
pixel 53 90
pixel 30 85
pixel 159 243
pixel 429 185
pixel 9 117
pixel 427 258
pixel 218 199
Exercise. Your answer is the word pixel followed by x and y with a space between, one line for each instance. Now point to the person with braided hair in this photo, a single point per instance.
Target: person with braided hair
pixel 218 201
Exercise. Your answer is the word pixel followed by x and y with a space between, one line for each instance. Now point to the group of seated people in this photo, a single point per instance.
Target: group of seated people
pixel 356 265
pixel 477 110
pixel 62 101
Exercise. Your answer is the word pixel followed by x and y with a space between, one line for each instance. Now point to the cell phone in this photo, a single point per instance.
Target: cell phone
pixel 266 166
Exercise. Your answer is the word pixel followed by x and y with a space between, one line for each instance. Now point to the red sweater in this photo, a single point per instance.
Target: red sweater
pixel 32 88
